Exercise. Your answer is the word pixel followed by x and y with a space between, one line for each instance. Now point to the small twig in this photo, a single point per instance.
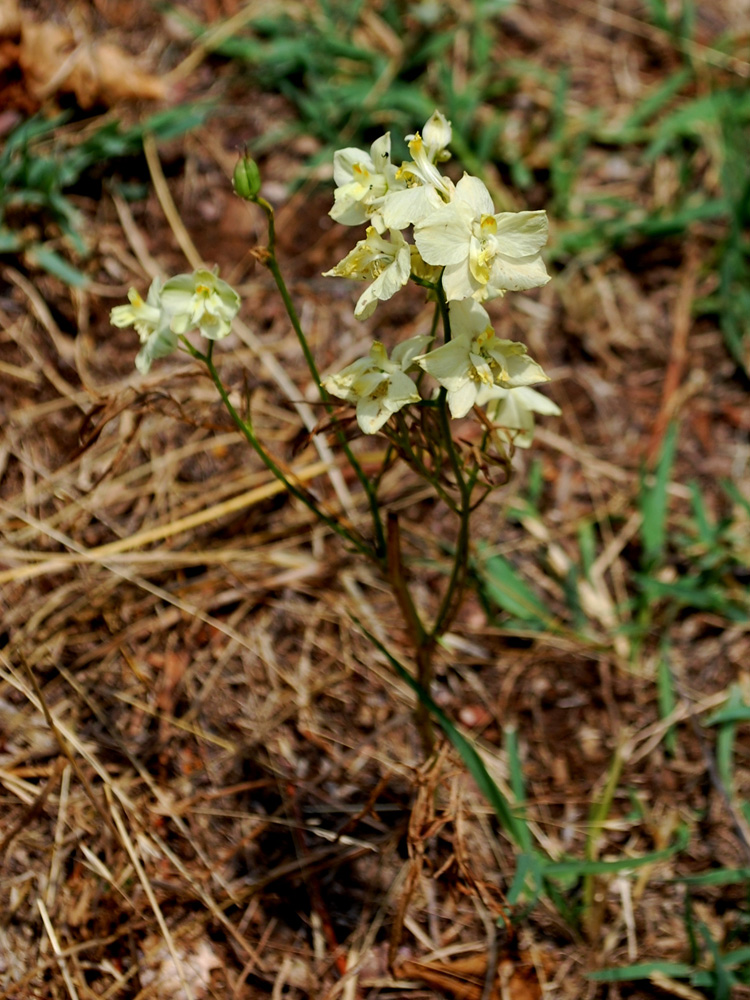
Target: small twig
pixel 30 813
pixel 677 358
pixel 166 201
pixel 70 985
pixel 150 895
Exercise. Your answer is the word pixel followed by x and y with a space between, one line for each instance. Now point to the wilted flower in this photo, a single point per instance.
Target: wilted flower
pixel 378 385
pixel 484 254
pixel 514 410
pixel 389 264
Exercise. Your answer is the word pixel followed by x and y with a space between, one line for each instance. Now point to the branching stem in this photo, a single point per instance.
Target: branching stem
pixel 270 260
pixel 295 489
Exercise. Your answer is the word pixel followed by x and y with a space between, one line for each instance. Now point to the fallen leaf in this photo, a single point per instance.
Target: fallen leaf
pixel 197 964
pixel 175 665
pixel 464 978
pixel 10 19
pixel 8 54
pixel 96 72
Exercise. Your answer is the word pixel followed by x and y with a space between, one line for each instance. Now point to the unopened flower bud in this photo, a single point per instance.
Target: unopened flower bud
pixel 437 134
pixel 246 179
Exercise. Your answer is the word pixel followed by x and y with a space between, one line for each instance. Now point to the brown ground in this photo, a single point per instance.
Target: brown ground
pixel 234 777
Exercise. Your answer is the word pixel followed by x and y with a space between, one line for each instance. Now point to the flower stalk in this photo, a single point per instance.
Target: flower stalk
pixel 462 254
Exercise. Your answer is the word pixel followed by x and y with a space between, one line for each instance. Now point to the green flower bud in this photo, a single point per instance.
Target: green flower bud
pixel 246 179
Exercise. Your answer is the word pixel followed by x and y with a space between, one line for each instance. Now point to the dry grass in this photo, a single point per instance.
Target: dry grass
pixel 210 783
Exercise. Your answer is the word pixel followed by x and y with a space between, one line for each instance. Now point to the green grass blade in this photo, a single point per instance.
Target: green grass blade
pixel 734 494
pixel 468 752
pixel 735 710
pixel 654 501
pixel 706 530
pixel 10 242
pixel 723 978
pixel 517 783
pixel 732 711
pixel 504 588
pixel 653 104
pixel 644 970
pixel 565 869
pixel 586 547
pixel 722 876
pixel 666 697
pixel 57 265
pixel 528 864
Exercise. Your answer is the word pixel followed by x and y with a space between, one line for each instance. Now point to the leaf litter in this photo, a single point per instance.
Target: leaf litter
pixel 52 60
pixel 191 817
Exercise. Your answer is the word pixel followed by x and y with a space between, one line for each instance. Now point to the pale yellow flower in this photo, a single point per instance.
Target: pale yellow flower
pixel 151 323
pixel 484 254
pixel 200 301
pixel 379 386
pixel 362 182
pixel 388 263
pixel 145 316
pixel 514 409
pixel 425 189
pixel 475 360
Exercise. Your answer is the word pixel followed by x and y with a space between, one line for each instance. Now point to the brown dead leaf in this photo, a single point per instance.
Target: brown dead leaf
pixel 96 72
pixel 175 665
pixel 10 19
pixel 8 54
pixel 464 978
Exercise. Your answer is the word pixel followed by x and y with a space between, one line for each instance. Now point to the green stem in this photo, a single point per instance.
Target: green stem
pixel 391 453
pixel 396 578
pixel 422 641
pixel 444 311
pixel 401 441
pixel 293 488
pixel 454 591
pixel 443 406
pixel 272 264
pixel 425 640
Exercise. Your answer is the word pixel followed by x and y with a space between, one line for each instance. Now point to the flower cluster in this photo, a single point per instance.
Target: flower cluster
pixel 463 249
pixel 198 301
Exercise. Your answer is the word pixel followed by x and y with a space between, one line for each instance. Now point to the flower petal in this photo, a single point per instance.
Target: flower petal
pixel 443 236
pixel 409 206
pixel 516 275
pixel 403 354
pixel 458 282
pixel 461 400
pixel 521 234
pixel 474 193
pixel 448 364
pixel 371 415
pixel 345 161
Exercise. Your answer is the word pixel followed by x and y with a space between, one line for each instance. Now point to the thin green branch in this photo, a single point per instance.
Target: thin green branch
pixel 455 589
pixel 271 262
pixel 401 441
pixel 293 488
pixel 398 583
